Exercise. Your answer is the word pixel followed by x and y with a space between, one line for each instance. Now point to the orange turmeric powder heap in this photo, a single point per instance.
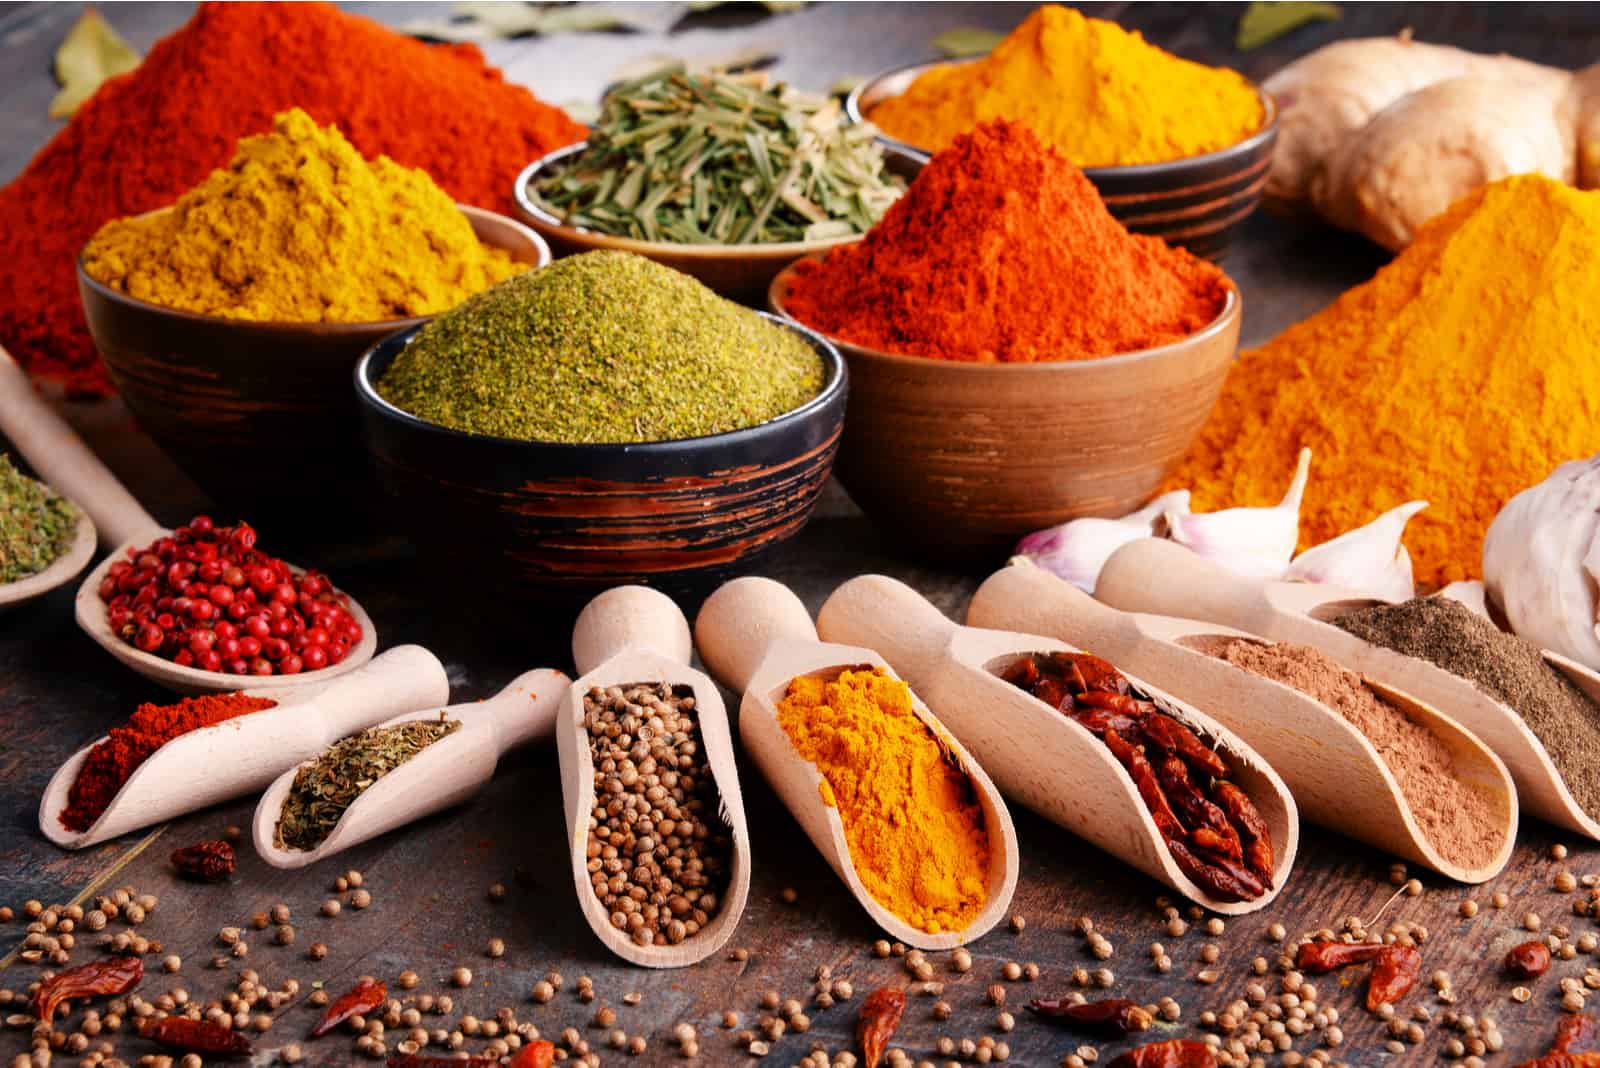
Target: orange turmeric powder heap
pixel 1460 375
pixel 911 818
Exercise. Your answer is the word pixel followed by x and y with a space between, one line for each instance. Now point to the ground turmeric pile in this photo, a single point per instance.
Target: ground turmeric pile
pixel 911 817
pixel 1101 94
pixel 300 228
pixel 1460 374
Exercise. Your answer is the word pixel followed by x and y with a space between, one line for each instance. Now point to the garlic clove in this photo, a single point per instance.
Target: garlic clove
pixel 1470 593
pixel 1371 558
pixel 1077 549
pixel 1254 542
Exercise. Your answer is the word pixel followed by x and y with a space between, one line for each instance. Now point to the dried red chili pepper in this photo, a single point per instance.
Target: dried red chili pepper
pixel 1169 735
pixel 1144 780
pixel 1574 1034
pixel 1174 1053
pixel 209 862
pixel 114 975
pixel 1252 828
pixel 1196 811
pixel 195 1036
pixel 537 1054
pixel 1528 960
pixel 366 995
pixel 880 1015
pixel 1393 975
pixel 1564 1060
pixel 1319 958
pixel 1111 1016
pixel 417 1060
pixel 1220 877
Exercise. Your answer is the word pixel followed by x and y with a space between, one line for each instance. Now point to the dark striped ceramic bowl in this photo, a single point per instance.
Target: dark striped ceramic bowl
pixel 564 521
pixel 1199 202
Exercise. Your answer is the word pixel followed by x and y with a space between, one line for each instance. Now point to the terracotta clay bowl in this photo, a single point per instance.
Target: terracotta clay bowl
pixel 738 272
pixel 1199 202
pixel 563 522
pixel 955 461
pixel 258 414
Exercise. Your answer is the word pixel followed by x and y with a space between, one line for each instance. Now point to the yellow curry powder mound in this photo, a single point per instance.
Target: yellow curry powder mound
pixel 1461 374
pixel 300 228
pixel 1102 95
pixel 911 817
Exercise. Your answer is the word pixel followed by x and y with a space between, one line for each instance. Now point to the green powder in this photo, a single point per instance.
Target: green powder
pixel 36 526
pixel 602 347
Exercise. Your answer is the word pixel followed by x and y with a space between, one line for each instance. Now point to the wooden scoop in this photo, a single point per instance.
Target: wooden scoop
pixel 54 450
pixel 756 637
pixel 625 636
pixel 239 755
pixel 1337 776
pixel 1037 755
pixel 1300 612
pixel 445 773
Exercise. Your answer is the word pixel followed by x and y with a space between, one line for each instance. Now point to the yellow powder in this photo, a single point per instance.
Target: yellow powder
pixel 1101 94
pixel 1461 374
pixel 300 228
pixel 911 818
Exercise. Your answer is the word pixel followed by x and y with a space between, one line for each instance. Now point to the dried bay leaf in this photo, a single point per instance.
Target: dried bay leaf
pixel 1263 23
pixel 91 53
pixel 965 41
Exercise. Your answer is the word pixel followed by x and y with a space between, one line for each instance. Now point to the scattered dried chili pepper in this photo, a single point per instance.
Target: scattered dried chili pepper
pixel 417 1060
pixel 1211 828
pixel 195 1036
pixel 208 862
pixel 1528 960
pixel 1393 975
pixel 538 1054
pixel 366 995
pixel 1174 1053
pixel 1563 1060
pixel 1574 1034
pixel 114 975
pixel 1112 1016
pixel 880 1015
pixel 1319 958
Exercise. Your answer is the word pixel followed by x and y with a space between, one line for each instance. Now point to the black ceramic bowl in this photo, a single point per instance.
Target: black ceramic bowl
pixel 565 521
pixel 1198 202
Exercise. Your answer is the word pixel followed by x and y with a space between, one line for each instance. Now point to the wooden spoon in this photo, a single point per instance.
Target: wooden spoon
pixel 54 450
pixel 1300 612
pixel 626 636
pixel 1337 776
pixel 1038 756
pixel 445 773
pixel 234 757
pixel 756 637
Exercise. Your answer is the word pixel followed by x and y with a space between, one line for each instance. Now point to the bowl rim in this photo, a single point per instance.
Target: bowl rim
pixel 1248 145
pixel 540 219
pixel 286 326
pixel 834 388
pixel 1232 310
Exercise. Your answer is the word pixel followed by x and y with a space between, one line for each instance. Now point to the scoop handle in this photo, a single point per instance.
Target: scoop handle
pixel 404 679
pixel 629 617
pixel 66 464
pixel 1164 578
pixel 1029 599
pixel 739 623
pixel 893 620
pixel 525 710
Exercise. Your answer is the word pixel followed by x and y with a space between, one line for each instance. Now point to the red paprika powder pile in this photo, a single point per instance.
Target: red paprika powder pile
pixel 111 761
pixel 151 134
pixel 1002 250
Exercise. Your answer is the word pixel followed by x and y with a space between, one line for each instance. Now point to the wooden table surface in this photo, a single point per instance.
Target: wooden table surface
pixel 429 882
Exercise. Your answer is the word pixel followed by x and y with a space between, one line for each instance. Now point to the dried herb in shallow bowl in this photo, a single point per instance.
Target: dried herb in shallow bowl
pixel 721 159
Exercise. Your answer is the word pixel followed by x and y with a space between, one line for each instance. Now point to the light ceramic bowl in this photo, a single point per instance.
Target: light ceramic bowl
pixel 1198 202
pixel 739 272
pixel 563 522
pixel 955 461
pixel 259 414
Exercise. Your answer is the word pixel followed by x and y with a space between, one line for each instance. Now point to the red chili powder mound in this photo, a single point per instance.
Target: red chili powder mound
pixel 1002 250
pixel 151 134
pixel 110 762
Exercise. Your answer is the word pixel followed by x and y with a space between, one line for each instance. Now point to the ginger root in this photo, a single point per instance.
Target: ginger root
pixel 1378 135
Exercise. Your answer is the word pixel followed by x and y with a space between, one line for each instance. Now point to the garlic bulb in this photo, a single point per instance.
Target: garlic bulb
pixel 1370 559
pixel 1541 561
pixel 1254 542
pixel 1077 549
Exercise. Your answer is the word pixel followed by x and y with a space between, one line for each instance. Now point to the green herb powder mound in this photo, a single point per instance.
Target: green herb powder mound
pixel 606 347
pixel 36 526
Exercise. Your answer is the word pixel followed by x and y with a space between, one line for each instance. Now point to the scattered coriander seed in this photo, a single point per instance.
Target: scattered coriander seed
pixel 1566 882
pixel 880 948
pixel 1558 852
pixel 1499 899
pixel 1215 927
pixel 1531 921
pixel 496 948
pixel 790 895
pixel 1277 933
pixel 769 1001
pixel 1018 923
pixel 1011 971
pixel 330 907
pixel 543 992
pixel 996 994
pixel 942 1010
pixel 461 977
pixel 730 1020
pixel 497 891
pixel 284 935
pixel 360 899
pixel 637 1045
pixel 408 980
pixel 1004 1021
pixel 1468 909
pixel 172 964
pixel 317 951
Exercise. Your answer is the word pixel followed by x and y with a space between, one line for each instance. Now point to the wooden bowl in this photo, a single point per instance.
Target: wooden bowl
pixel 567 521
pixel 1198 202
pixel 955 461
pixel 739 272
pixel 259 414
